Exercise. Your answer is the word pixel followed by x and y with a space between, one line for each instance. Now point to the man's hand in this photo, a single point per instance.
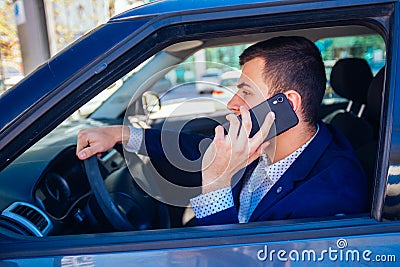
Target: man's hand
pixel 100 139
pixel 229 153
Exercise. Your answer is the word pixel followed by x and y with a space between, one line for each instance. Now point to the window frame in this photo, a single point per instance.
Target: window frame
pixel 379 18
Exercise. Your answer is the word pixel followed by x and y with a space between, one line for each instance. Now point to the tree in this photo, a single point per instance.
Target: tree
pixel 8 30
pixel 9 43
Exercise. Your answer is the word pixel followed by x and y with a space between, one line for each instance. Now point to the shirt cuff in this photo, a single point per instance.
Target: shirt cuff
pixel 135 139
pixel 212 202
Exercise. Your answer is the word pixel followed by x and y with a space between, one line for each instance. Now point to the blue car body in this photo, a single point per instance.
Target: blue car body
pixel 40 102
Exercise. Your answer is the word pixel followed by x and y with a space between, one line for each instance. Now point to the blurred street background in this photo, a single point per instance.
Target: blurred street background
pixel 31 31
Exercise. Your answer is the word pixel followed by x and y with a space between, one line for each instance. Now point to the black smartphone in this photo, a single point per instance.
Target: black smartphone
pixel 285 117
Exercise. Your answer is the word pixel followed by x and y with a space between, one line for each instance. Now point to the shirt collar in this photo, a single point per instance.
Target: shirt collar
pixel 276 170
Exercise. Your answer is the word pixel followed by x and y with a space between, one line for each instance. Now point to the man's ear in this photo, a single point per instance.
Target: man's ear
pixel 294 99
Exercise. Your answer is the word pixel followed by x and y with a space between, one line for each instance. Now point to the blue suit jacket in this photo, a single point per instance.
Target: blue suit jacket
pixel 326 179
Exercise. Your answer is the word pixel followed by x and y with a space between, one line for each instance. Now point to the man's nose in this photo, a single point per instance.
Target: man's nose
pixel 235 103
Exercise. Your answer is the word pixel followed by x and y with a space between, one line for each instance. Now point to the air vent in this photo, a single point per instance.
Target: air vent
pixel 30 217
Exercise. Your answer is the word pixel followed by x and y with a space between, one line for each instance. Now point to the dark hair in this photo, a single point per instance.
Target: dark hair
pixel 292 63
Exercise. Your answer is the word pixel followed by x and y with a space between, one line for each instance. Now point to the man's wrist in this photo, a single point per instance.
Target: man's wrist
pixel 125 134
pixel 120 133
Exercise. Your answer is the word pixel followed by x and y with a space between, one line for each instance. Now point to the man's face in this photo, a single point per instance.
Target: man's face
pixel 252 88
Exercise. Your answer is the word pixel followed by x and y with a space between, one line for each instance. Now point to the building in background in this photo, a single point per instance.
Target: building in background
pixel 65 21
pixel 68 20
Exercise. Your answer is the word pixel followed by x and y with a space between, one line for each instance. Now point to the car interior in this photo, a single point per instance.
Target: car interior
pixel 57 196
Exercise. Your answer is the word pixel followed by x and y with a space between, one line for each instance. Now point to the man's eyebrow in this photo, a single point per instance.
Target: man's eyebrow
pixel 243 84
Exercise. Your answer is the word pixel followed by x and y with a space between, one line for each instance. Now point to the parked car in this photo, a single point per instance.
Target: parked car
pixel 51 215
pixel 11 75
pixel 209 80
pixel 228 85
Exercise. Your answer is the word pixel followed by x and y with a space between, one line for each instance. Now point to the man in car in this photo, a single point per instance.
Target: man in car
pixel 308 171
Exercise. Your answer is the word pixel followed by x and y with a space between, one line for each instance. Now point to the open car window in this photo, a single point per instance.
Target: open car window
pixel 368 47
pixel 190 95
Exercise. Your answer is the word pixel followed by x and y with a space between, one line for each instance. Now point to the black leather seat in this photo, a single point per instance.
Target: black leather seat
pixel 368 152
pixel 374 102
pixel 350 78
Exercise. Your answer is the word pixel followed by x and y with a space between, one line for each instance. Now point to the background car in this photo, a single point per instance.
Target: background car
pixel 209 80
pixel 52 215
pixel 228 85
pixel 11 75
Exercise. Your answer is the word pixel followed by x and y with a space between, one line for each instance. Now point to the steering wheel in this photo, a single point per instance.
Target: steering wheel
pixel 135 210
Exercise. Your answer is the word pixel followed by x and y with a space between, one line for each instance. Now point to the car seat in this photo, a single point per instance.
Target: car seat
pixel 374 101
pixel 368 152
pixel 350 78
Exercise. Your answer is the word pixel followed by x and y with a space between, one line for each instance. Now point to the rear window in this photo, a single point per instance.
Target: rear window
pixel 369 47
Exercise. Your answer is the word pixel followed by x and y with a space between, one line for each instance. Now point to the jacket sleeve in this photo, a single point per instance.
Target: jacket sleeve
pixel 159 144
pixel 176 156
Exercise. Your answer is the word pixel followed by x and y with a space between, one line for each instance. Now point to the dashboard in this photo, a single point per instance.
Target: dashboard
pixel 62 185
pixel 52 196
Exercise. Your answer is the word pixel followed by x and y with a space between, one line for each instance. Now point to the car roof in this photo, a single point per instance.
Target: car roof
pixel 171 7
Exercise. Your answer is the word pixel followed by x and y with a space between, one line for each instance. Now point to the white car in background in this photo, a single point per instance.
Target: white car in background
pixel 228 85
pixel 11 76
pixel 210 79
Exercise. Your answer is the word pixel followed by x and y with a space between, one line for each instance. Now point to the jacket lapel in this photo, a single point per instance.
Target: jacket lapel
pixel 298 171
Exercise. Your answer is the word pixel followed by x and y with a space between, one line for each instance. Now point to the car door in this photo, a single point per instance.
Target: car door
pixel 133 38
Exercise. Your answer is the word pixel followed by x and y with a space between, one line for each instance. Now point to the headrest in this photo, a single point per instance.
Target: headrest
pixel 350 78
pixel 374 100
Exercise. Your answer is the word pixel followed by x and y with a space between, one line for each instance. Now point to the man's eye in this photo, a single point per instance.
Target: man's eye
pixel 244 92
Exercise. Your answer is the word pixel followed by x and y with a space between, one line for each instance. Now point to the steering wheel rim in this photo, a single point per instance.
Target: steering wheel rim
pixel 118 220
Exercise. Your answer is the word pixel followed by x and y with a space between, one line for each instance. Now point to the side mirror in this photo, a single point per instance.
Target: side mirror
pixel 151 102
